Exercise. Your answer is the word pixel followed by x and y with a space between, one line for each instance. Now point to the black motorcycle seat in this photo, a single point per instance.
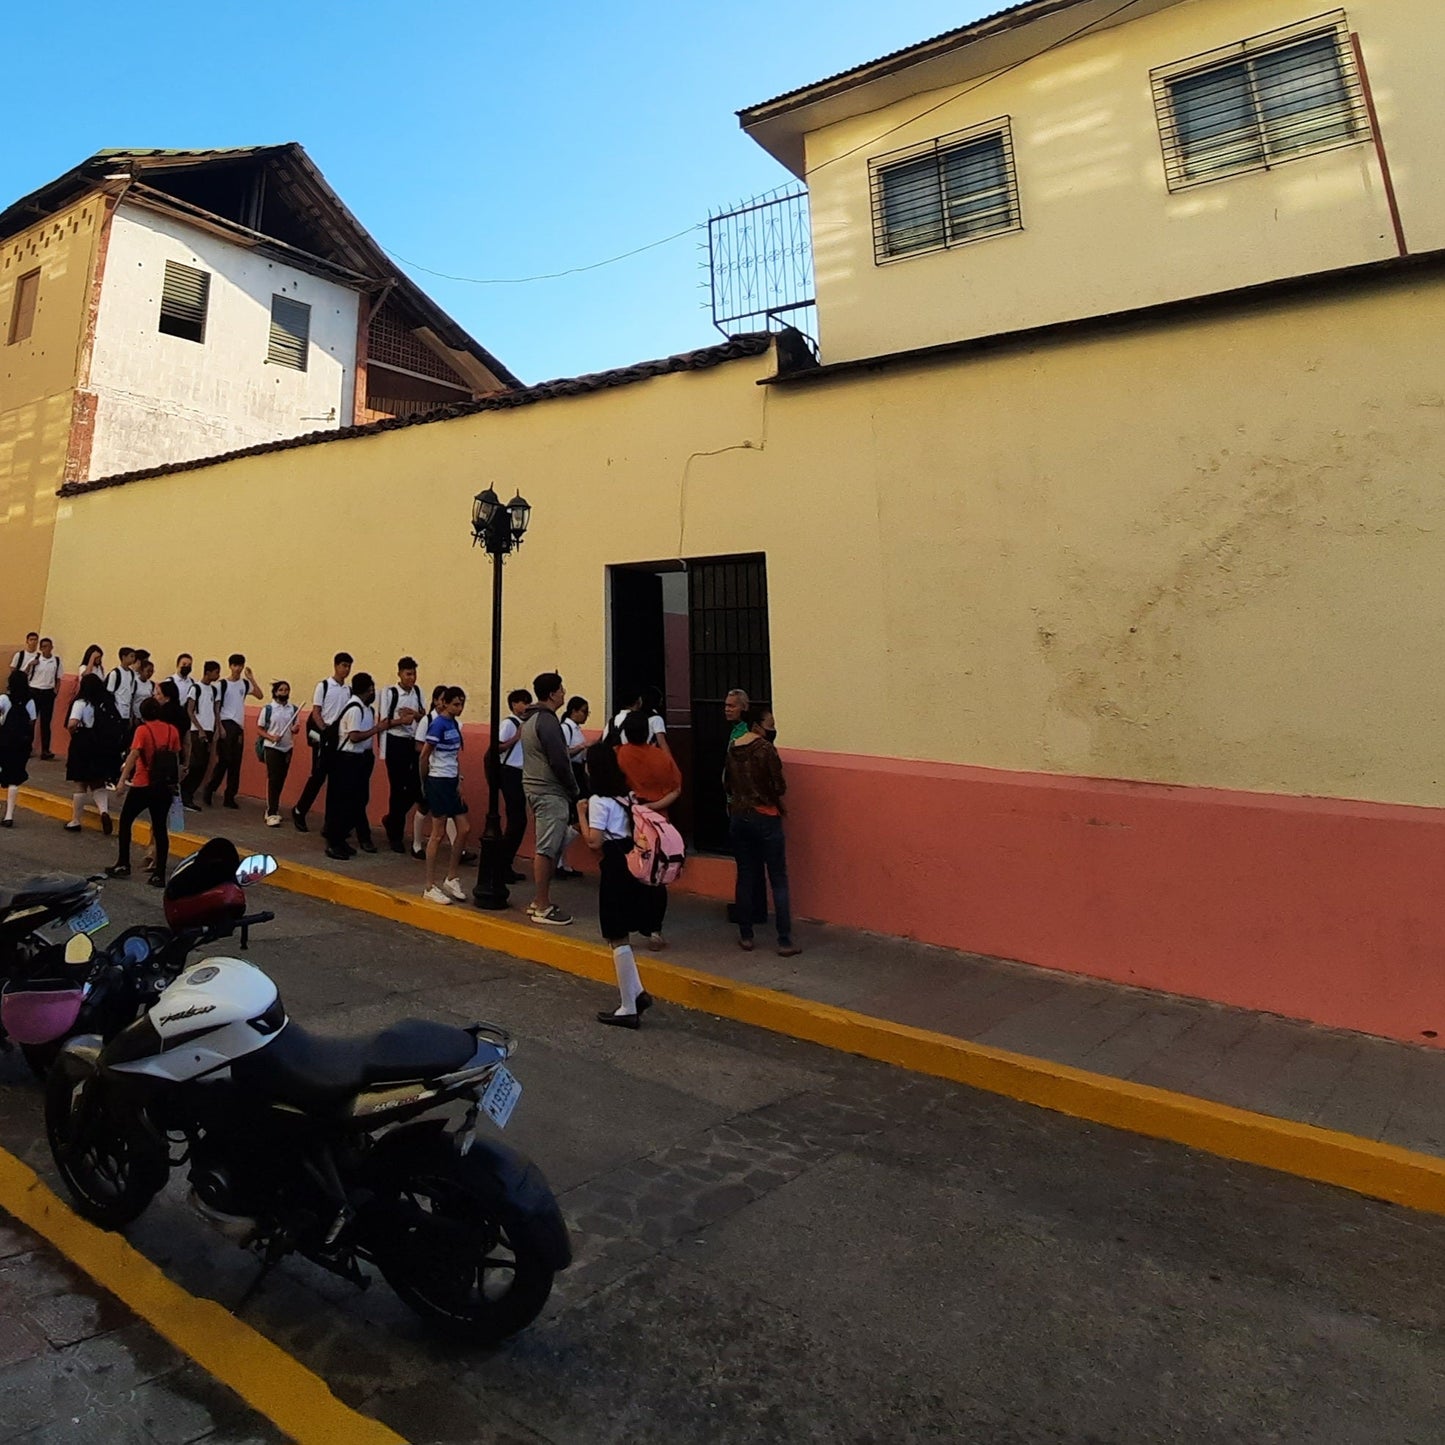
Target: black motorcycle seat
pixel 43 889
pixel 316 1073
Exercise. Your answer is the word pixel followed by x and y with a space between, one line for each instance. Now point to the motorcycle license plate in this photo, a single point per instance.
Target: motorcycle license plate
pixel 92 920
pixel 500 1097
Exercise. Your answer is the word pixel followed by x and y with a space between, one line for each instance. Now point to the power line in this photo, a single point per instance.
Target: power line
pixel 842 155
pixel 550 275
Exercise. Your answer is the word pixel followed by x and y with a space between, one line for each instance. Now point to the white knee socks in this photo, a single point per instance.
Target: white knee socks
pixel 629 985
pixel 77 806
pixel 12 795
pixel 102 800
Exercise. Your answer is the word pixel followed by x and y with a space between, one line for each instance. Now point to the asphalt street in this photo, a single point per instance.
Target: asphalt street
pixel 780 1243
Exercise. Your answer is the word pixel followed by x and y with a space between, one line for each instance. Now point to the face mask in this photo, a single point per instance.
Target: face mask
pixel 186 670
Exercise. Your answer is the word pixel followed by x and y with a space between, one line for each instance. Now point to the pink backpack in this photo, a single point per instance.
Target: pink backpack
pixel 657 853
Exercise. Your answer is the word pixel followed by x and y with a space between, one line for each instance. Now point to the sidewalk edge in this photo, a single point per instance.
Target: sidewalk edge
pixel 1380 1171
pixel 296 1401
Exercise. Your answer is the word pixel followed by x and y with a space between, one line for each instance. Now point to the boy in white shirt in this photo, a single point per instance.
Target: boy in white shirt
pixel 331 695
pixel 203 732
pixel 45 673
pixel 400 711
pixel 509 756
pixel 349 781
pixel 231 696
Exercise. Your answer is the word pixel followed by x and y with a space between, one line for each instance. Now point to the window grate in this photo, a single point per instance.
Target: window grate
pixel 1273 98
pixel 184 298
pixel 290 333
pixel 959 188
pixel 22 311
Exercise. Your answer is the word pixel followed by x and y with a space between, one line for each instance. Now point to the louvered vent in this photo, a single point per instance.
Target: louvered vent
pixel 290 332
pixel 183 302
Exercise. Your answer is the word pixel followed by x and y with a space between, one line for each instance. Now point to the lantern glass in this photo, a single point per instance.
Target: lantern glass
pixel 484 508
pixel 521 515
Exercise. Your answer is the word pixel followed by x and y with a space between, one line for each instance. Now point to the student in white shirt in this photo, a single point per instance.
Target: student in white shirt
pixel 203 732
pixel 331 695
pixel 400 710
pixel 45 673
pixel 120 683
pixel 93 757
pixel 21 661
pixel 440 764
pixel 145 671
pixel 280 721
pixel 93 661
pixel 509 755
pixel 17 738
pixel 230 741
pixel 649 703
pixel 348 790
pixel 575 716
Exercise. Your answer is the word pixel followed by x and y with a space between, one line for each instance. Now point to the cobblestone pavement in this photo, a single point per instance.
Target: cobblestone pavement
pixel 776 1242
pixel 76 1365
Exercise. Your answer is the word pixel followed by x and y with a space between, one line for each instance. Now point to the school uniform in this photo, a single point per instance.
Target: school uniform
pixel 277 717
pixel 349 781
pixel 15 743
pixel 230 739
pixel 398 752
pixel 656 724
pixel 202 737
pixel 45 674
pixel 624 903
pixel 121 683
pixel 327 701
pixel 512 790
pixel 573 736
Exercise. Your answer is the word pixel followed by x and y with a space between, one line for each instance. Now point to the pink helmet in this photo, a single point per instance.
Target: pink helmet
pixel 44 1011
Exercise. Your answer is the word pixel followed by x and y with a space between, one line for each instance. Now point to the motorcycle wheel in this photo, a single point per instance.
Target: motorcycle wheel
pixel 455 1263
pixel 112 1169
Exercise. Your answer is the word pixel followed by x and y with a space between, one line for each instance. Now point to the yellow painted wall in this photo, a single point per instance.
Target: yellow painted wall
pixel 1210 553
pixel 1102 232
pixel 37 390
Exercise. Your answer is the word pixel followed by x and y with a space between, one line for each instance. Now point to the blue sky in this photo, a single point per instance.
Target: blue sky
pixel 475 139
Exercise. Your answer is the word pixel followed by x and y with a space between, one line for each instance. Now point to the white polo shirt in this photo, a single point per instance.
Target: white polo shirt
pixel 46 672
pixel 357 719
pixel 142 691
pixel 22 660
pixel 186 686
pixel 511 728
pixel 206 706
pixel 277 717
pixel 655 724
pixel 232 693
pixel 329 698
pixel 121 683
pixel 393 698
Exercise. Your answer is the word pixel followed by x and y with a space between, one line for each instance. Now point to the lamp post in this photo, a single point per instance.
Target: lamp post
pixel 500 530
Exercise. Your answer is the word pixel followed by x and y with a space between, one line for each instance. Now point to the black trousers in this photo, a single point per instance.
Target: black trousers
pixel 278 764
pixel 44 699
pixel 320 771
pixel 403 775
pixel 348 794
pixel 157 802
pixel 230 749
pixel 200 761
pixel 516 800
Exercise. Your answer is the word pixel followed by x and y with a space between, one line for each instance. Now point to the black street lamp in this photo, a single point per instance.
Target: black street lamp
pixel 500 530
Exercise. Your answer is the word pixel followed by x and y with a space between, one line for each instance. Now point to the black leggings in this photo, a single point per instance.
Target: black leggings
pixel 137 801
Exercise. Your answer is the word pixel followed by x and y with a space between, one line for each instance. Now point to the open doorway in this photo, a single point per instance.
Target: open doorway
pixel 694 628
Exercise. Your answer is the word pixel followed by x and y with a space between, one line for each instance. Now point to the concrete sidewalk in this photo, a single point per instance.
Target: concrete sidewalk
pixel 1373 1088
pixel 76 1365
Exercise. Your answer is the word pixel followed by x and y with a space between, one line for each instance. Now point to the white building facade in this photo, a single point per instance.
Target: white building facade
pixel 204 346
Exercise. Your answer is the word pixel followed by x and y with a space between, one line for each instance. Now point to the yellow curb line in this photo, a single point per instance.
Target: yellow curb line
pixel 275 1385
pixel 1381 1171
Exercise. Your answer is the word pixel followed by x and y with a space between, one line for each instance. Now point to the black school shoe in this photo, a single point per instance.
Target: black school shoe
pixel 620 1021
pixel 298 821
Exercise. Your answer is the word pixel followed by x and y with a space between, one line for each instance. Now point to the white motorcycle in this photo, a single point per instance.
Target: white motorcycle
pixel 298 1143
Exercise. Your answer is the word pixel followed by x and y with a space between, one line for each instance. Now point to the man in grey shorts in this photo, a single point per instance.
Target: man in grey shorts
pixel 550 787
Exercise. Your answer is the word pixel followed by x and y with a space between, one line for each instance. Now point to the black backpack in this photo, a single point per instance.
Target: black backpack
pixel 166 769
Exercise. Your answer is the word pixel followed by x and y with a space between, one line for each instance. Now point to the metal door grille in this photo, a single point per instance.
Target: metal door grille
pixel 728 636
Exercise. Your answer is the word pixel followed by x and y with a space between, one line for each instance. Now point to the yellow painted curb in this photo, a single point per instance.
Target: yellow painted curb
pixel 269 1380
pixel 1382 1171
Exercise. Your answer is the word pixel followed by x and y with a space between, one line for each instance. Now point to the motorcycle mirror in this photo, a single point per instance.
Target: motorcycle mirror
pixel 255 868
pixel 80 949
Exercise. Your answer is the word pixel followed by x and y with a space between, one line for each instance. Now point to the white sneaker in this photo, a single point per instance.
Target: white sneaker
pixel 435 895
pixel 454 887
pixel 273 820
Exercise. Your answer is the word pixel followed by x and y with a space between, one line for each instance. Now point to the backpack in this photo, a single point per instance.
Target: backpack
pixel 16 731
pixel 260 743
pixel 165 768
pixel 657 853
pixel 328 737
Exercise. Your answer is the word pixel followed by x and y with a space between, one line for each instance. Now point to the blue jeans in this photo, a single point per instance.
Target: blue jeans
pixel 758 845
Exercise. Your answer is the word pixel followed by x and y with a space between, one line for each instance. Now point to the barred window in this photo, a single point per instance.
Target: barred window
pixel 184 299
pixel 956 189
pixel 290 333
pixel 1264 101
